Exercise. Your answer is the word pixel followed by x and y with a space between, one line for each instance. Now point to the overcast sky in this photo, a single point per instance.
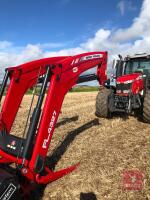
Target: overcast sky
pixel 32 29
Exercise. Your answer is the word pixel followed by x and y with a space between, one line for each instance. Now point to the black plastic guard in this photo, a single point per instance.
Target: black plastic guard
pixel 9 188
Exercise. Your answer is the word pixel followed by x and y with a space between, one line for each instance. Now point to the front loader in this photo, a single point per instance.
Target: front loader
pixel 131 91
pixel 22 159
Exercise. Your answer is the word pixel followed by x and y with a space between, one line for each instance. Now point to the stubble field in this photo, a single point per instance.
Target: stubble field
pixel 104 148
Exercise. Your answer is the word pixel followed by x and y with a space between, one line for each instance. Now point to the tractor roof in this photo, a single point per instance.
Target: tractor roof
pixel 139 55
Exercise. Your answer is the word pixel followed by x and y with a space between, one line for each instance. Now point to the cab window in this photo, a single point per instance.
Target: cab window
pixel 133 66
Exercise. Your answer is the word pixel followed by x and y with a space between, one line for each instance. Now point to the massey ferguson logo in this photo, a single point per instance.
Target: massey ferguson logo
pixel 13 143
pixel 51 125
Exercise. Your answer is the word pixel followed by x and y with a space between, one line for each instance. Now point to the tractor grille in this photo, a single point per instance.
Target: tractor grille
pixel 121 102
pixel 121 88
pixel 121 98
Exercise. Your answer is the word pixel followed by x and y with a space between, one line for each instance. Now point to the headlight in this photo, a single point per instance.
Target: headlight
pixel 126 91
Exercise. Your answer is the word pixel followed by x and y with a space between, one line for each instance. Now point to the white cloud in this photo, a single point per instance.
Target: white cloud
pixel 133 39
pixel 125 6
pixel 139 28
pixel 51 45
pixel 5 44
pixel 121 6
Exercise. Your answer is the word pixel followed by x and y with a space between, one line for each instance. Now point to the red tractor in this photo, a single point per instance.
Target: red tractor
pixel 131 91
pixel 56 76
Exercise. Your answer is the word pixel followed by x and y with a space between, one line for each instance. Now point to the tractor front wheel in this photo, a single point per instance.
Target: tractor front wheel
pixel 102 102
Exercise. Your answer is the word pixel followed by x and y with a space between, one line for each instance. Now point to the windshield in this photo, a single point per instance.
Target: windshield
pixel 140 65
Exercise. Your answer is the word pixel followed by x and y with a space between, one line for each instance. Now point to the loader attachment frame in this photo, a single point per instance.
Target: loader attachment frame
pixel 57 76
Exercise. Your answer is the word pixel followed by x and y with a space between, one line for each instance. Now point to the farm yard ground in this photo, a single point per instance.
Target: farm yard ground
pixel 104 148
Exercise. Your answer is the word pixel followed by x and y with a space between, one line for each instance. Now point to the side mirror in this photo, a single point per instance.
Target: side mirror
pixel 120 57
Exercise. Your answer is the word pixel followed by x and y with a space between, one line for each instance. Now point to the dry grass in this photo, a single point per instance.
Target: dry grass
pixel 103 147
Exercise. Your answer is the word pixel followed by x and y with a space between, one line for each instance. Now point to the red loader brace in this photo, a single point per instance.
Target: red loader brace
pixel 63 73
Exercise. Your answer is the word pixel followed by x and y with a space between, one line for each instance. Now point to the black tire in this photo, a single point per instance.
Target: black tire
pixel 146 107
pixel 102 99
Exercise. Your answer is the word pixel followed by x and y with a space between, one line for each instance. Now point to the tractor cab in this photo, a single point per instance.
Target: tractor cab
pixel 132 74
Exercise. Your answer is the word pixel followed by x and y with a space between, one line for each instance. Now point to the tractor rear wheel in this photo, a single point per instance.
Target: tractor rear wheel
pixel 102 102
pixel 146 107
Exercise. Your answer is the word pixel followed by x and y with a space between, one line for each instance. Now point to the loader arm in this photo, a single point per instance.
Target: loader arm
pixel 58 74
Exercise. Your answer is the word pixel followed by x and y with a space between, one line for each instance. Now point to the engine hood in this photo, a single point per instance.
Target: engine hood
pixel 128 78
